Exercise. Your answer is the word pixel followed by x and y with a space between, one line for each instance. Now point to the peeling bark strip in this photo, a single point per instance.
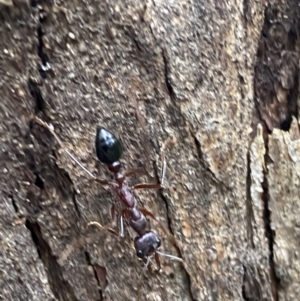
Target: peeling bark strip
pixel 187 67
pixel 284 187
pixel 261 219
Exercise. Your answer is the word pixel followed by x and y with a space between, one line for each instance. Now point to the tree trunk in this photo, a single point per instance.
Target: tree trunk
pixel 219 80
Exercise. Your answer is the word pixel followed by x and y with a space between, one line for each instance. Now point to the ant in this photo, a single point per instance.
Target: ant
pixel 109 151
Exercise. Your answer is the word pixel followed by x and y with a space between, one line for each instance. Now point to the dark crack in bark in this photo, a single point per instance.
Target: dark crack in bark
pixel 36 94
pixel 245 11
pixel 202 161
pixel 270 234
pixel 59 286
pixel 14 204
pixel 158 180
pixel 249 209
pixel 39 182
pixel 61 173
pixel 34 83
pixel 98 277
pixel 42 15
pixel 251 287
pixel 170 228
pixel 167 74
pixel 72 188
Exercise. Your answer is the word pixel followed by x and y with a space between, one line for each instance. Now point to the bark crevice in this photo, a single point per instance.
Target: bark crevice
pixel 59 286
pixel 270 234
pixel 249 209
pixel 98 280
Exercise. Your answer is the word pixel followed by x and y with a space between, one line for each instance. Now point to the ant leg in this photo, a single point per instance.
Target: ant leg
pixel 148 266
pixel 112 231
pixel 169 256
pixel 124 215
pixel 121 227
pixel 51 130
pixel 113 222
pixel 150 214
pixel 102 227
pixel 151 185
pixel 163 172
pixel 147 186
pixel 156 257
pixel 134 171
pixel 170 236
pixel 113 212
pixel 113 215
pixel 79 243
pixel 164 162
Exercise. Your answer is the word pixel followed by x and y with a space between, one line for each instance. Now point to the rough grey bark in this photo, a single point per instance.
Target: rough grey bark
pixel 218 78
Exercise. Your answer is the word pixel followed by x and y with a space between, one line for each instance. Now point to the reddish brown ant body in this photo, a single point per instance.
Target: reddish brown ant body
pixel 109 151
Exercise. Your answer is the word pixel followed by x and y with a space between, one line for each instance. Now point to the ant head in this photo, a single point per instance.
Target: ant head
pixel 146 244
pixel 108 147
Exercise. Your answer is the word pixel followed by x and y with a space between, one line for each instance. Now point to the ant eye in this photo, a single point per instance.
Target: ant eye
pixel 108 147
pixel 140 254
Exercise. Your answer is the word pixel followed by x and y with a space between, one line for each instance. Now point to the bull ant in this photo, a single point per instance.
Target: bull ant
pixel 109 151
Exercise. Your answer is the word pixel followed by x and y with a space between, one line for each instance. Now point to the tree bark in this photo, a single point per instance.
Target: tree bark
pixel 219 80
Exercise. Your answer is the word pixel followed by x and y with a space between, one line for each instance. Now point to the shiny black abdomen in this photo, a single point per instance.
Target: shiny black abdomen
pixel 108 147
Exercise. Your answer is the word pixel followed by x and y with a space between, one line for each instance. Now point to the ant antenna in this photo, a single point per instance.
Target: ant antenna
pixel 76 161
pixel 169 256
pixel 102 227
pixel 50 128
pixel 163 159
pixel 121 226
pixel 163 173
pixel 147 264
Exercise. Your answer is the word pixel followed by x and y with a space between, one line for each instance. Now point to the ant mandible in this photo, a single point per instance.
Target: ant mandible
pixel 109 151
